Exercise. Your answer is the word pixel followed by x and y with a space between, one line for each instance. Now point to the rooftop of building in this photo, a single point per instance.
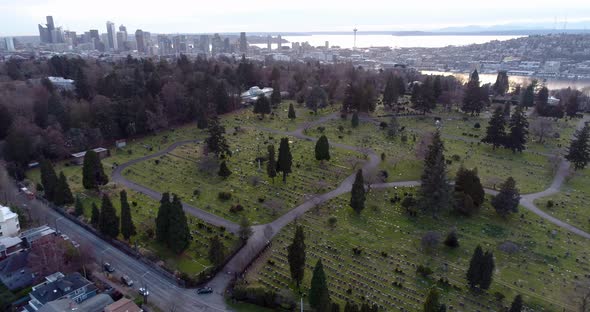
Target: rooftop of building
pixel 6 214
pixel 59 288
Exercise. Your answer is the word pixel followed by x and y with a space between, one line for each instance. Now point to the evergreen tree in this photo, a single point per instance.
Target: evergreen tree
pixel 296 256
pixel 319 286
pixel 507 199
pixel 216 142
pixel 357 194
pixel 518 130
pixel 452 240
pixel 317 98
pixel 291 113
pixel 322 149
pixel 571 106
pixel 501 86
pixel 216 250
pixel 221 99
pixel 48 179
pixel 271 166
pixel 285 159
pixel 262 106
pixel 528 96
pixel 506 110
pixel 178 232
pixel 473 100
pixel 224 171
pixel 108 223
pixel 335 307
pixel 95 217
pixel 63 194
pixel 487 270
pixel 496 133
pixel 475 267
pixel 435 191
pixel 245 231
pixel 127 226
pixel 517 304
pixel 78 207
pixel 355 120
pixel 542 101
pixel 92 171
pixel 469 193
pixel 351 307
pixel 432 303
pixel 393 127
pixel 579 149
pixel 275 97
pixel 423 96
pixel 436 87
pixel 163 219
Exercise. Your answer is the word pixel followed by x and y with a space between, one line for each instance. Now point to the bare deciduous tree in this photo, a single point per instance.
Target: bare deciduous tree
pixel 541 128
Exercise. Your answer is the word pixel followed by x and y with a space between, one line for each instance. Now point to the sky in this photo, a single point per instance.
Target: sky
pixel 20 17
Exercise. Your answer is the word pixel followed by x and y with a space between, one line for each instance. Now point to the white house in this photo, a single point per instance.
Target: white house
pixel 9 226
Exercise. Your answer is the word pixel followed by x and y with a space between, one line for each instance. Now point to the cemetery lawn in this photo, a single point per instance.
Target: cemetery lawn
pixel 530 259
pixel 571 203
pixel 187 172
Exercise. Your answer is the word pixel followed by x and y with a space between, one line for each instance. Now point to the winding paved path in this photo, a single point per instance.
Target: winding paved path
pixel 262 234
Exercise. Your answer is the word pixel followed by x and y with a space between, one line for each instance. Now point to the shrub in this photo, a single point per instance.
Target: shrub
pixel 550 204
pixel 197 193
pixel 157 161
pixel 452 240
pixel 477 125
pixel 423 271
pixel 236 208
pixel 224 196
pixel 261 199
pixel 332 221
pixel 499 296
pixel 357 251
pixel 382 156
pixel 456 157
pixel 384 254
pixel 382 125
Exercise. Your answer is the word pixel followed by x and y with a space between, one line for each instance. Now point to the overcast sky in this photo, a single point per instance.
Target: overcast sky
pixel 20 17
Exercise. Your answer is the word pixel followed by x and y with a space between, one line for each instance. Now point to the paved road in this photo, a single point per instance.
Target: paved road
pixel 165 292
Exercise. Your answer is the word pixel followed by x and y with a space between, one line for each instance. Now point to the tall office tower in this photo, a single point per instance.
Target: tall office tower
pixel 57 35
pixel 123 29
pixel 269 43
pixel 46 33
pixel 280 45
pixel 226 46
pixel 204 44
pixel 112 36
pixel 71 37
pixel 139 38
pixel 180 44
pixel 164 45
pixel 216 44
pixel 9 44
pixel 327 44
pixel 243 43
pixel 50 24
pixel 121 41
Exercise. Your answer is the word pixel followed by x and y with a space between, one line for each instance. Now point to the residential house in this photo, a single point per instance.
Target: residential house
pixel 57 286
pixel 123 305
pixel 9 226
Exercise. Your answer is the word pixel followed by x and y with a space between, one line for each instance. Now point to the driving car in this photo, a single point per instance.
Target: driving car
pixel 108 267
pixel 204 290
pixel 126 280
pixel 143 291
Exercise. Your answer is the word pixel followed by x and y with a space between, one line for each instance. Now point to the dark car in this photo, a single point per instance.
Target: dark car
pixel 204 290
pixel 126 280
pixel 108 267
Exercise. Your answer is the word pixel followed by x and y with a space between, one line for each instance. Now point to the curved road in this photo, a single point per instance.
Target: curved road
pixel 262 234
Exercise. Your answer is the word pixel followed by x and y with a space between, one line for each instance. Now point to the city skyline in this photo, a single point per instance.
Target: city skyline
pixel 233 16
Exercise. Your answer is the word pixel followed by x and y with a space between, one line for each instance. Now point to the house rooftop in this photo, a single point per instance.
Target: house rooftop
pixel 57 289
pixel 82 154
pixel 6 214
pixel 123 305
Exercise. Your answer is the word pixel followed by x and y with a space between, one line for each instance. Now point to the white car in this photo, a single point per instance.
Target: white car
pixel 144 292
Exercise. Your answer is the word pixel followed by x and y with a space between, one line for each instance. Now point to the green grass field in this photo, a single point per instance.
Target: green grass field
pixel 544 269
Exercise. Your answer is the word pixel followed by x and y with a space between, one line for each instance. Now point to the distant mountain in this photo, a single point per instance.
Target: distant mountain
pixel 556 26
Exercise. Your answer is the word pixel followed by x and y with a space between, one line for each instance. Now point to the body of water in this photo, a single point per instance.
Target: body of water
pixel 551 83
pixel 366 41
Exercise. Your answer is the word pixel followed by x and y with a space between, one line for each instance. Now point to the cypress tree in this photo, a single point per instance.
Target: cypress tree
pixel 495 133
pixel 475 267
pixel 518 130
pixel 507 199
pixel 468 188
pixel 216 142
pixel 392 127
pixel 391 92
pixel 452 240
pixel 291 113
pixel 62 194
pixel 285 159
pixel 355 120
pixel 216 250
pixel 271 166
pixel 275 97
pixel 473 98
pixel 487 270
pixel 516 304
pixel 224 171
pixel 95 216
pixel 502 84
pixel 357 194
pixel 296 256
pixel 579 150
pixel 163 218
pixel 48 179
pixel 108 223
pixel 322 149
pixel 432 304
pixel 78 207
pixel 319 286
pixel 92 171
pixel 127 226
pixel 435 191
pixel 528 96
pixel 178 232
pixel 262 106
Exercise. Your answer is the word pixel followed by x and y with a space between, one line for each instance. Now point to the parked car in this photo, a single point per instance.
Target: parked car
pixel 126 280
pixel 108 267
pixel 144 292
pixel 204 290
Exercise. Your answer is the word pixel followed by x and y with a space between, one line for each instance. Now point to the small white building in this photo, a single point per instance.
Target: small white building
pixel 9 226
pixel 62 83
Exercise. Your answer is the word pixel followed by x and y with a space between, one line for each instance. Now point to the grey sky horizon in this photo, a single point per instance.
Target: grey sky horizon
pixel 20 18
